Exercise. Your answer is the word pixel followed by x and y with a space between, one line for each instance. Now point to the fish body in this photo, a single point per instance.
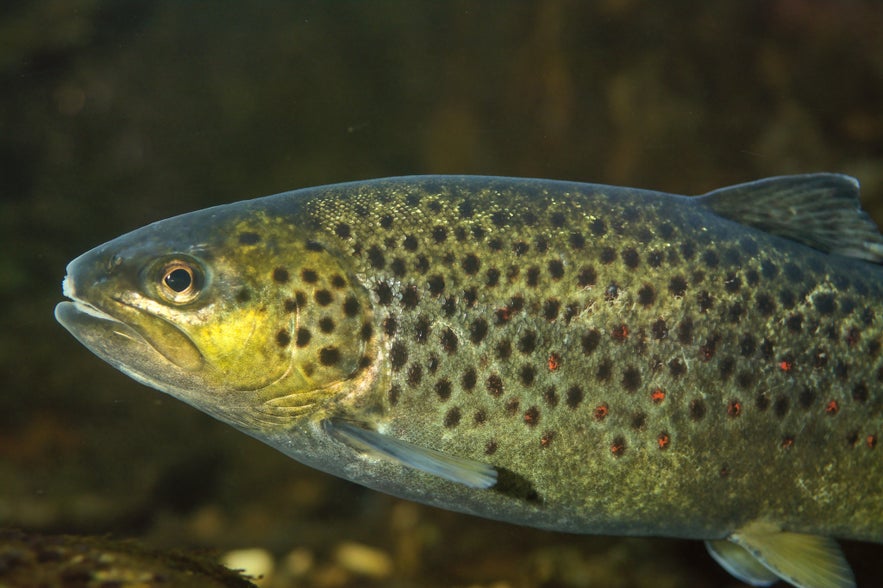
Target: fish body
pixel 569 356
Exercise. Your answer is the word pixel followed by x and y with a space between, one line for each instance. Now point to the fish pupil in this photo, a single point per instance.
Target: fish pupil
pixel 178 280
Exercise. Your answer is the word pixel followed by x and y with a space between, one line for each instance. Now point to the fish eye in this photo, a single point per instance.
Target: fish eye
pixel 180 281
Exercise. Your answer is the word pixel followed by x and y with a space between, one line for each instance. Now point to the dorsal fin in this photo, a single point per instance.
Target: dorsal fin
pixel 821 210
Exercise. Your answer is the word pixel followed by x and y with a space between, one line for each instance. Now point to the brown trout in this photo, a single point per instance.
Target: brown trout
pixel 576 357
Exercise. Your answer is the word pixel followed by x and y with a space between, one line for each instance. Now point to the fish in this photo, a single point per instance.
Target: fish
pixel 569 356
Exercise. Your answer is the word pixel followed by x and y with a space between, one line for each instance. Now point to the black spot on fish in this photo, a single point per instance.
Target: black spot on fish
pixel 384 293
pixel 688 249
pixel 747 345
pixel 527 342
pixel 492 277
pixel 394 393
pixel 478 330
pixel 631 258
pixel 793 273
pixel 449 306
pixel 697 409
pixel 243 296
pixel 415 374
pixel 421 329
pixel 558 219
pixel 541 243
pixel 550 397
pixel 283 338
pixel 386 221
pixel 766 349
pixel 432 364
pixel 550 309
pixel 710 259
pixel 639 419
pixel 786 297
pixel 480 417
pixel 533 276
pixel 302 337
pixel 590 341
pixel 646 295
pixel 608 255
pixel 443 389
pixel 762 401
pixel 398 355
pixel 611 292
pixel 471 264
pixel 735 312
pixel 495 244
pixel 587 277
pixel 436 284
pixel 765 304
pixel 531 416
pixel 605 370
pixel 744 379
pixel 452 418
pixel 439 234
pixel 705 301
pixel 781 406
pixel 398 267
pixel 520 248
pixel 676 367
pixel 329 356
pixel 410 297
pixel 314 246
pixel 350 307
pixel 449 341
pixel 466 209
pixel 732 283
pixel 573 397
pixel 527 375
pixel 806 398
pixel 499 219
pixel 390 325
pixel 752 277
pixel 290 305
pixel 631 379
pixel 860 392
pixel 504 349
pixel 598 227
pixel 685 332
pixel 469 379
pixel 794 322
pixel 556 269
pixel 494 386
pixel 490 447
pixel 659 329
pixel 512 406
pixel 249 238
pixel 323 297
pixel 617 447
pixel 338 282
pixel 421 266
pixel 326 325
pixel 655 258
pixel 769 269
pixel 410 243
pixel 376 258
pixel 280 275
pixel 841 370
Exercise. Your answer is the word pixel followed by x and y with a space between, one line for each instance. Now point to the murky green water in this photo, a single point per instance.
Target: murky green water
pixel 115 114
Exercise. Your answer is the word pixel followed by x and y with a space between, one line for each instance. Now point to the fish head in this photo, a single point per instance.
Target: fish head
pixel 236 312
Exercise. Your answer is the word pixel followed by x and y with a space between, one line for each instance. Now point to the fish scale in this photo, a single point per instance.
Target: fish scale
pixel 570 356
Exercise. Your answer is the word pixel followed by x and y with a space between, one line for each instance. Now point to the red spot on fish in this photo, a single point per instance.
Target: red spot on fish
pixel 547 438
pixel 871 441
pixel 787 442
pixel 663 440
pixel 832 408
pixel 504 314
pixel 786 365
pixel 657 396
pixel 600 412
pixel 620 333
pixel 734 408
pixel 554 362
pixel 617 448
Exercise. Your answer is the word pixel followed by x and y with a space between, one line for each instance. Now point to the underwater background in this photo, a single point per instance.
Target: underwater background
pixel 117 113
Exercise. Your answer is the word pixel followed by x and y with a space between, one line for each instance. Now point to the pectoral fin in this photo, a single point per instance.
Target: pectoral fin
pixel 471 473
pixel 806 561
pixel 740 563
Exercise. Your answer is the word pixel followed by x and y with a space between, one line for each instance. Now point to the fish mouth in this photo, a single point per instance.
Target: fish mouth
pixel 154 352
